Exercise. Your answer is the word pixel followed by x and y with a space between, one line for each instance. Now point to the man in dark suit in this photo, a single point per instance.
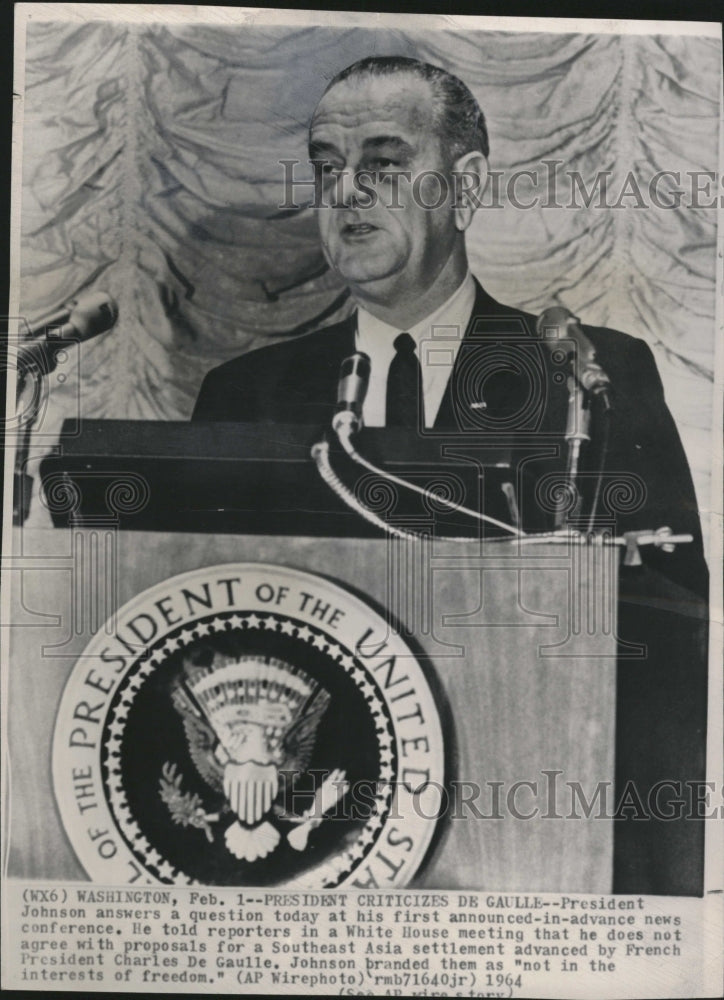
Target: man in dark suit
pixel 400 149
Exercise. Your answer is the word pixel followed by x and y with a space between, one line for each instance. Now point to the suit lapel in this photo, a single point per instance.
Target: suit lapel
pixel 500 328
pixel 346 338
pixel 338 342
pixel 321 359
pixel 451 413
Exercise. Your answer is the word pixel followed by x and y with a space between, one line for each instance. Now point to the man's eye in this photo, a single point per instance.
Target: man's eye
pixel 384 163
pixel 325 167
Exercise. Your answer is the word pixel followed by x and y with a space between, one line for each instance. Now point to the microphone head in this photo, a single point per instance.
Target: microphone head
pixel 92 314
pixel 553 323
pixel 559 324
pixel 354 380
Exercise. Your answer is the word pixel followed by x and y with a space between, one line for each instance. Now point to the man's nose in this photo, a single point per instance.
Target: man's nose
pixel 348 192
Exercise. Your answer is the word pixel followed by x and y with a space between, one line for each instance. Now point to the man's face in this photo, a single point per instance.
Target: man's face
pixel 373 129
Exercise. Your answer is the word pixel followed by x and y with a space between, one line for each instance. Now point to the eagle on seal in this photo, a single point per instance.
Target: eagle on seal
pixel 246 719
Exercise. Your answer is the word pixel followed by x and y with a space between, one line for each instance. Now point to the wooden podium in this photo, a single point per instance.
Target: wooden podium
pixel 518 643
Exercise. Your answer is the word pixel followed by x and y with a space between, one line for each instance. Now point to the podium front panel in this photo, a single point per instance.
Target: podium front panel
pixel 517 642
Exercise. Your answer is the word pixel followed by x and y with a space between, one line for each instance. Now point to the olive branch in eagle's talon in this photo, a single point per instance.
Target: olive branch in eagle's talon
pixel 186 808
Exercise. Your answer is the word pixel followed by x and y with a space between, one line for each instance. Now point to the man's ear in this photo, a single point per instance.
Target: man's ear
pixel 470 175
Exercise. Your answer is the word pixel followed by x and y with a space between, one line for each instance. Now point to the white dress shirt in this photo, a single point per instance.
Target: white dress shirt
pixel 437 337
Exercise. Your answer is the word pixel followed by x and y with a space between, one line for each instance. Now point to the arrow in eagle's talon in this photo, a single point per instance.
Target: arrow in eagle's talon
pixel 330 792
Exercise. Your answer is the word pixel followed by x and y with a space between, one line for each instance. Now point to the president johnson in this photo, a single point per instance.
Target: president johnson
pixel 400 150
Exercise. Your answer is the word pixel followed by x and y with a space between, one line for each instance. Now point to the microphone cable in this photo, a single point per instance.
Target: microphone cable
pixel 320 454
pixel 344 429
pixel 351 391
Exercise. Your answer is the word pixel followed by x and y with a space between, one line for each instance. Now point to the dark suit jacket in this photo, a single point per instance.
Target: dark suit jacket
pixel 500 359
pixel 661 700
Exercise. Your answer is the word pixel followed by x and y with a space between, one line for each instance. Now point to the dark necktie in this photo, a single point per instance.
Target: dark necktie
pixel 404 385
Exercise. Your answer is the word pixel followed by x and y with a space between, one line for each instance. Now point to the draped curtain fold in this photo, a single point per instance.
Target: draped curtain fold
pixel 152 168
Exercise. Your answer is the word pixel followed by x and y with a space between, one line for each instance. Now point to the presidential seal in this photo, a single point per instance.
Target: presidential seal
pixel 248 724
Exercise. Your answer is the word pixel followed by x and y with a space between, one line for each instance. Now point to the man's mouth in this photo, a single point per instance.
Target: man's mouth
pixel 356 230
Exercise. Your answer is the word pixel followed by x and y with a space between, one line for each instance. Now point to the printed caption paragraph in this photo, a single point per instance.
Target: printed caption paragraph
pixel 406 943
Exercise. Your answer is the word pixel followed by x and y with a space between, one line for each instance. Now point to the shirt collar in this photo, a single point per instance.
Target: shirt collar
pixel 455 312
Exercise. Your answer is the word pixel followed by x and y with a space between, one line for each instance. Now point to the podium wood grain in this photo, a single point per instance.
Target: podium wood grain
pixel 520 641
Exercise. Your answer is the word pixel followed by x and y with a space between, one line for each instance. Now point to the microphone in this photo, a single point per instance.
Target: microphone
pixel 354 380
pixel 559 323
pixel 85 317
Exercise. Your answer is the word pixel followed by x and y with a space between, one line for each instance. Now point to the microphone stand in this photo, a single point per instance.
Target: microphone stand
pixel 22 481
pixel 37 360
pixel 587 381
pixel 578 425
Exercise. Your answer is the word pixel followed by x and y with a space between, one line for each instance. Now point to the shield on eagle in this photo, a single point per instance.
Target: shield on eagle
pixel 246 720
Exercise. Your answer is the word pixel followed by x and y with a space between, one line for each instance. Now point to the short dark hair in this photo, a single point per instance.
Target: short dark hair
pixel 458 116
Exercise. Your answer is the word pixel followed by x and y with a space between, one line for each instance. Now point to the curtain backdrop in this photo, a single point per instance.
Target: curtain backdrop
pixel 151 169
